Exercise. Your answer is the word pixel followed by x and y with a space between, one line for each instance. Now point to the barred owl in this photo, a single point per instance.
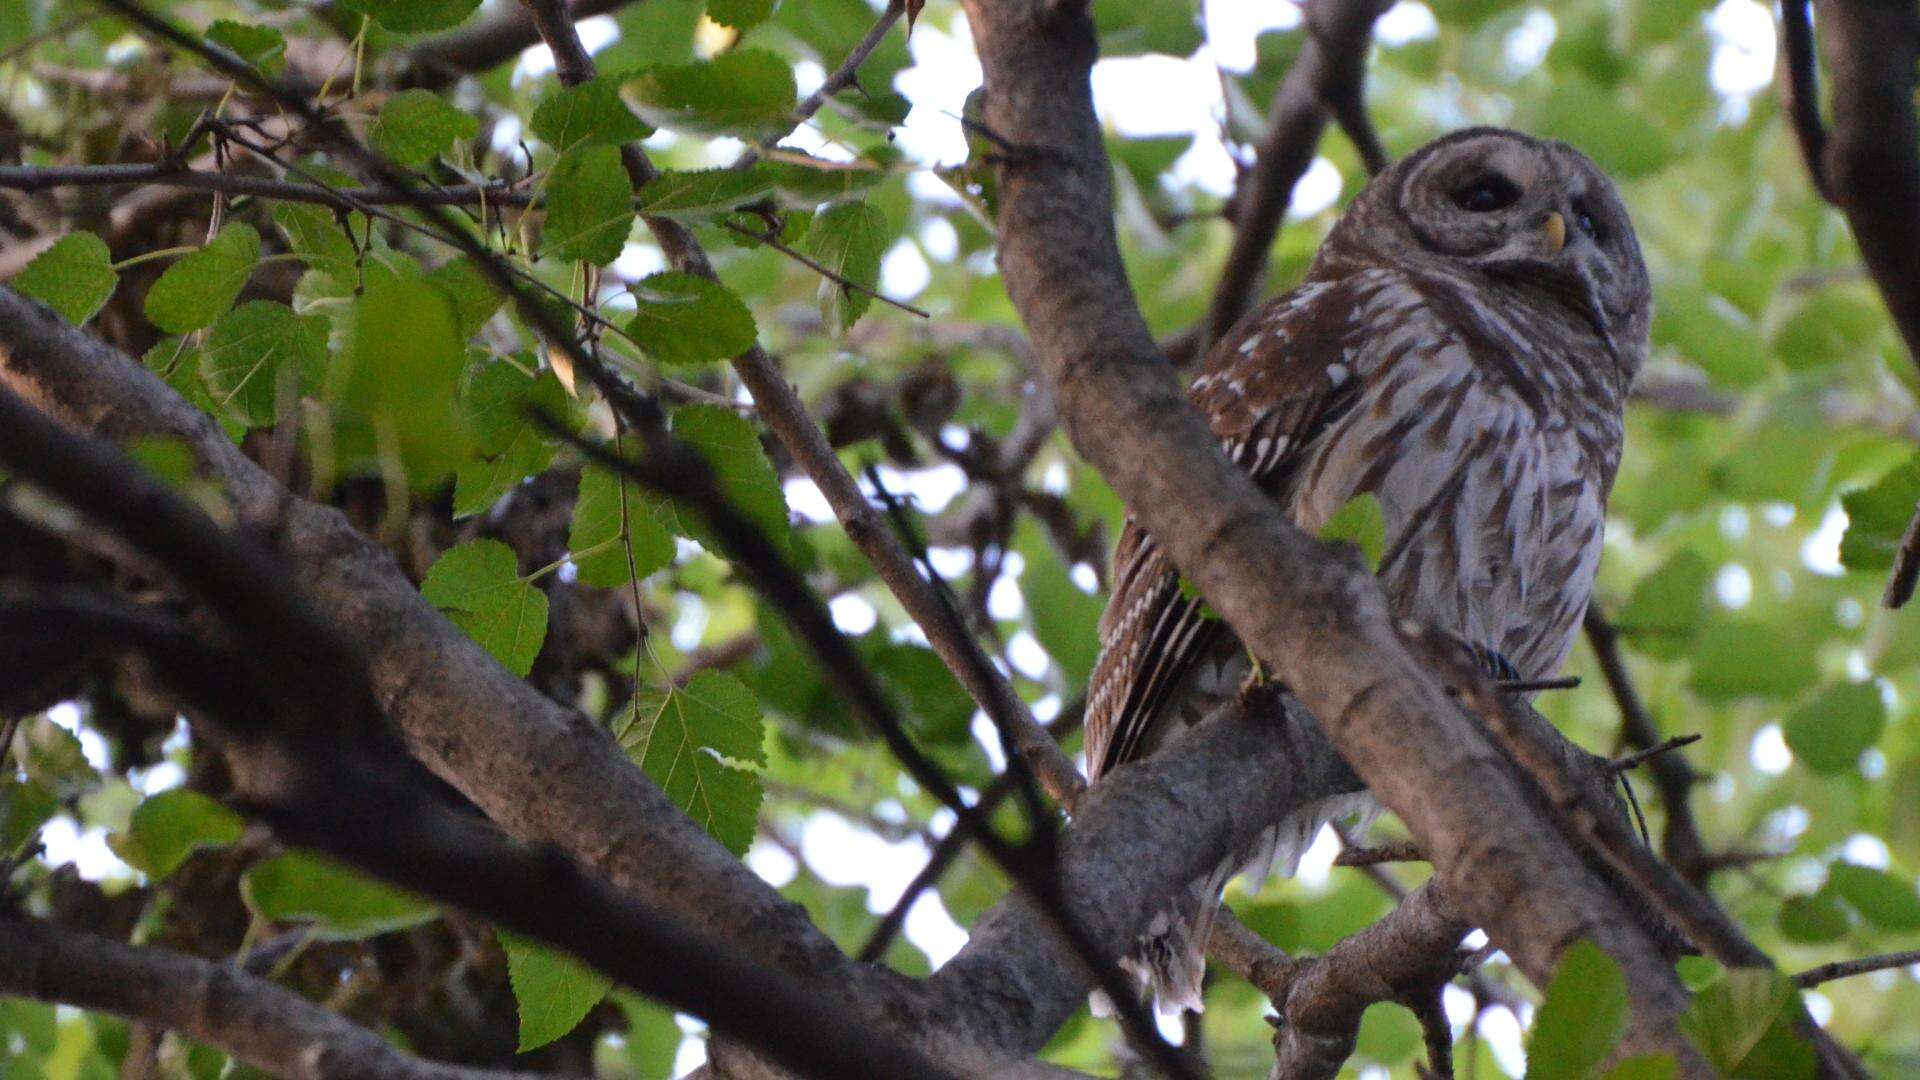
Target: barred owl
pixel 1460 349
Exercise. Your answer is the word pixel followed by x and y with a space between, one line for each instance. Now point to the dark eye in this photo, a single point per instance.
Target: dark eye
pixel 1583 217
pixel 1487 194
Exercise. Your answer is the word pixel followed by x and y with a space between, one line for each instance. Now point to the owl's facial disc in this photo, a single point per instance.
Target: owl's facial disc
pixel 1525 212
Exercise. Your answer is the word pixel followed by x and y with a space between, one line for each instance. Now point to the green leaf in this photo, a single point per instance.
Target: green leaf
pixel 1360 523
pixel 704 193
pixel 1646 1067
pixel 748 93
pixel 739 14
pixel 261 46
pixel 684 319
pixel 473 295
pixel 414 125
pixel 500 398
pixel 414 16
pixel 344 905
pixel 202 286
pixel 1619 139
pixel 74 277
pixel 588 114
pixel 608 509
pixel 740 465
pixel 589 206
pixel 1831 732
pixel 680 736
pixel 1826 326
pixel 261 354
pixel 1742 1025
pixel 479 586
pixel 168 827
pixel 24 807
pixel 848 239
pixel 552 991
pixel 1663 615
pixel 1065 618
pixel 401 368
pixel 1135 27
pixel 1744 657
pixel 316 236
pixel 1877 517
pixel 1581 1018
pixel 1813 919
pixel 1887 902
pixel 653 1039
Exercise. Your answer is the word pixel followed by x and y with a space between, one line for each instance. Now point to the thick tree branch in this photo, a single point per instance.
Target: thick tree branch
pixel 251 1019
pixel 1318 622
pixel 1869 164
pixel 1324 82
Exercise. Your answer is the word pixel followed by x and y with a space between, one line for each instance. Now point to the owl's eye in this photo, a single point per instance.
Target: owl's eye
pixel 1584 218
pixel 1487 194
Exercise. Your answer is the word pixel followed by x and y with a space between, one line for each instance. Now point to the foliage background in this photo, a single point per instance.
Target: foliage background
pixel 1779 405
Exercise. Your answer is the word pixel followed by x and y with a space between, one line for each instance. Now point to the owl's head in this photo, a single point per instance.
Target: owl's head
pixel 1497 205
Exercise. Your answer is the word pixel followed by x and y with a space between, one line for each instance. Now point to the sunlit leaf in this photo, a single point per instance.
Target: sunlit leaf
pixel 552 991
pixel 684 737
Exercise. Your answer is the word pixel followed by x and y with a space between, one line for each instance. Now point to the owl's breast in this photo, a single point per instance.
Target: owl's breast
pixel 1494 508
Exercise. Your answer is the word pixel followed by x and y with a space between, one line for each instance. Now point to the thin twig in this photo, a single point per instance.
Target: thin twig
pixel 169 174
pixel 1525 686
pixel 773 241
pixel 1637 758
pixel 1399 851
pixel 1842 969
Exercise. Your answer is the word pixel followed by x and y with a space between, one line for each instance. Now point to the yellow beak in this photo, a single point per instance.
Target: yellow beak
pixel 1556 229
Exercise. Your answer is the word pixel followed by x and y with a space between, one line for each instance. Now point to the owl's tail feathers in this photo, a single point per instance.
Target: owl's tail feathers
pixel 1170 959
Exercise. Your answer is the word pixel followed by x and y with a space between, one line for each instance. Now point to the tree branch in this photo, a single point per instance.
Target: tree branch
pixel 1370 687
pixel 171 174
pixel 1844 969
pixel 249 1018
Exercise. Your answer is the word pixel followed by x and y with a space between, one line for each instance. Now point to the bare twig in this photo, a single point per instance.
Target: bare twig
pixel 1680 839
pixel 1525 686
pixel 1847 968
pixel 847 74
pixel 1402 851
pixel 1639 757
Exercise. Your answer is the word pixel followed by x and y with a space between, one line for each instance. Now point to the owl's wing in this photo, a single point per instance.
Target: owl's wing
pixel 1269 389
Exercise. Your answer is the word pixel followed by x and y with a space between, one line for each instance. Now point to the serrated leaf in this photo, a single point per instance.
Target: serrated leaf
pixel 608 509
pixel 1581 1018
pixel 1730 1021
pixel 74 277
pixel 1362 523
pixel 1877 517
pixel 739 14
pixel 552 991
pixel 256 352
pixel 740 465
pixel 343 903
pixel 589 206
pixel 479 586
pixel 848 239
pixel 261 46
pixel 316 236
pixel 590 113
pixel 748 93
pixel 1887 902
pixel 200 287
pixel 415 125
pixel 414 16
pixel 704 193
pixel 680 737
pixel 1830 733
pixel 683 319
pixel 480 483
pixel 168 827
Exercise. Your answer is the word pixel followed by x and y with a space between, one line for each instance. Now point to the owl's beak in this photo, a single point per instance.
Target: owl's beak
pixel 1556 233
